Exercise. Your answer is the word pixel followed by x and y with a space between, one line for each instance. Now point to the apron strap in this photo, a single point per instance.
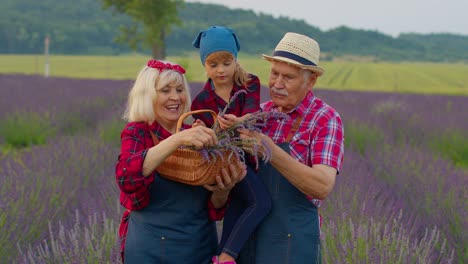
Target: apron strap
pixel 153 136
pixel 294 128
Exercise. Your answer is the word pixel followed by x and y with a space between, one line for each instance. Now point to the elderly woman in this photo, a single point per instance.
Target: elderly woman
pixel 165 221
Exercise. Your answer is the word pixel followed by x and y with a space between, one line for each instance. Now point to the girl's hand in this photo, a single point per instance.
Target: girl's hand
pixel 227 121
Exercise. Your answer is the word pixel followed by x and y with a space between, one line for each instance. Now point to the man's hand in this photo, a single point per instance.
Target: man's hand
pixel 229 177
pixel 263 142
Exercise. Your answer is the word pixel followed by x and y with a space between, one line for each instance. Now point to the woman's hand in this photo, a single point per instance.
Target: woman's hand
pixel 198 136
pixel 198 122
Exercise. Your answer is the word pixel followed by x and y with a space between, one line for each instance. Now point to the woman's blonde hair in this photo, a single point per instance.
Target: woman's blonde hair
pixel 241 77
pixel 141 98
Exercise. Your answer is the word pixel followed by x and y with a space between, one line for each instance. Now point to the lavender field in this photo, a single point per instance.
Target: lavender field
pixel 401 197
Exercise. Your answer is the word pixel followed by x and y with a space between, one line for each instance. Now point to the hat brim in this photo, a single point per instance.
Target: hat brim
pixel 315 69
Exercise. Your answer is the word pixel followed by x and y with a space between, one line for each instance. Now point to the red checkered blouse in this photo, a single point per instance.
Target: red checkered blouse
pixel 134 187
pixel 244 103
pixel 319 138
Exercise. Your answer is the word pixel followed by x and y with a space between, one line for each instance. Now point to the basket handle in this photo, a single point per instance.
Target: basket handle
pixel 189 113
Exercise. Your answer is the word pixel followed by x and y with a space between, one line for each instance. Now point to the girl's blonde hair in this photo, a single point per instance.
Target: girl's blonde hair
pixel 241 76
pixel 142 96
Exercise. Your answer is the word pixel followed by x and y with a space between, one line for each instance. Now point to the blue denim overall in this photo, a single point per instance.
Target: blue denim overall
pixel 174 228
pixel 290 233
pixel 249 205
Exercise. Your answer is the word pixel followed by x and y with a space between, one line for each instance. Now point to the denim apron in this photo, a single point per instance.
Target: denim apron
pixel 291 232
pixel 173 228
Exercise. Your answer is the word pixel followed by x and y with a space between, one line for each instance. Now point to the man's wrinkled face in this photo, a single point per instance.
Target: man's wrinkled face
pixel 288 87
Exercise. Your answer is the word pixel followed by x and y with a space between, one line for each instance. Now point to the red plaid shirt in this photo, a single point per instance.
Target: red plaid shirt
pixel 244 103
pixel 319 138
pixel 134 187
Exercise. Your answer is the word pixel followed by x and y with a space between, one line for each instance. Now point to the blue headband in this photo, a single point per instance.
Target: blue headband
pixel 214 39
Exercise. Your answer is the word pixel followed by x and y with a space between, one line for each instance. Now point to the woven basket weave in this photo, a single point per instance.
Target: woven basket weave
pixel 189 166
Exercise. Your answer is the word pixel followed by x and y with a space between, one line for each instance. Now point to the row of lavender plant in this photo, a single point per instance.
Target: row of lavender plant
pixel 44 186
pixel 429 121
pixel 34 109
pixel 48 192
pixel 45 189
pixel 394 137
pixel 30 93
pixel 370 220
pixel 364 223
pixel 394 202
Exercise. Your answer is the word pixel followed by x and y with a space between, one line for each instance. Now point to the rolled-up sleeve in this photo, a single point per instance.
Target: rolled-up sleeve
pixel 329 144
pixel 133 185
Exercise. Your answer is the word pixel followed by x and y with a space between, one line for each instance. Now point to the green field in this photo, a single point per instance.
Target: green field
pixel 406 77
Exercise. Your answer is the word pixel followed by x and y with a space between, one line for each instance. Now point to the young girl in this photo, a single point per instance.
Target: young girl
pixel 250 201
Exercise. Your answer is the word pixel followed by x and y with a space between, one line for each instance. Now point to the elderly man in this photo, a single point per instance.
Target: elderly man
pixel 307 154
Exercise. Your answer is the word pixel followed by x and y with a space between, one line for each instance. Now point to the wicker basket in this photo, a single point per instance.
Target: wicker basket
pixel 189 166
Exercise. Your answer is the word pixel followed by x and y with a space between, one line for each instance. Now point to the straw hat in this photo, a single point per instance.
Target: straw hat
pixel 298 50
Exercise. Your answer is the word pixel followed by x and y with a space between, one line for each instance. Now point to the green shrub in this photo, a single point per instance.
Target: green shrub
pixel 24 129
pixel 360 136
pixel 110 131
pixel 452 145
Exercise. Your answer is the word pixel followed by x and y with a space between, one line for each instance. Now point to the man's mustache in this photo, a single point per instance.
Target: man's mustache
pixel 279 91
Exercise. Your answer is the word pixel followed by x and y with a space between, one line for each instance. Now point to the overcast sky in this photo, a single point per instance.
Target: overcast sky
pixel 388 17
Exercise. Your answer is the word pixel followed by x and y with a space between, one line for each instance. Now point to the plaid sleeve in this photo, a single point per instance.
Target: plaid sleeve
pixel 252 98
pixel 133 185
pixel 329 143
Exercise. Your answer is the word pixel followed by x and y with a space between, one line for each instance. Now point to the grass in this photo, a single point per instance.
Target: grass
pixel 403 77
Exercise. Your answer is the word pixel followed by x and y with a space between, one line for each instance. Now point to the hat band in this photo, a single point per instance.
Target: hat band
pixel 293 56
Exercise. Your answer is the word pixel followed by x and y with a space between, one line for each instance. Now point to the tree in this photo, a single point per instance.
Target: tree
pixel 151 22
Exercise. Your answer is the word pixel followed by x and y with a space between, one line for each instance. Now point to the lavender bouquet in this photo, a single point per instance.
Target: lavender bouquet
pixel 229 140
